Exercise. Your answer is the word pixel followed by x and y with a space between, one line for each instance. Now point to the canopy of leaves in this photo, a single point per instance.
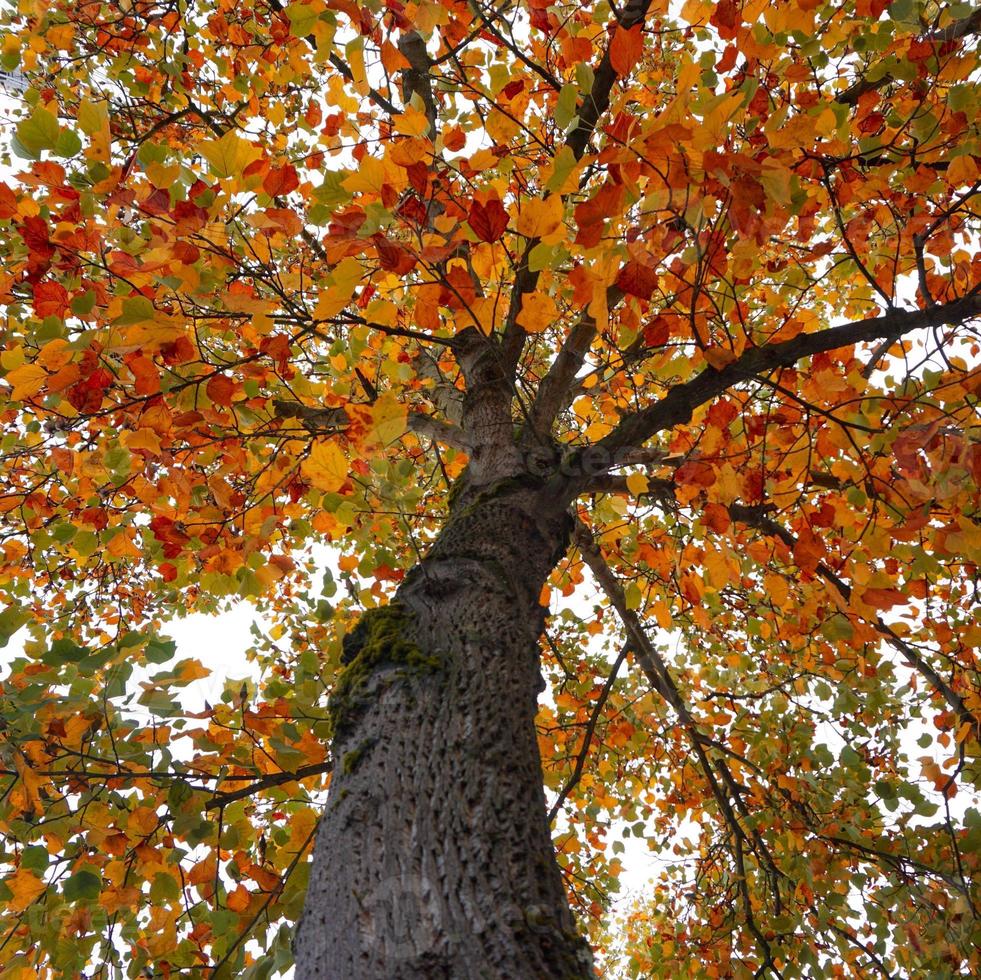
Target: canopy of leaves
pixel 727 254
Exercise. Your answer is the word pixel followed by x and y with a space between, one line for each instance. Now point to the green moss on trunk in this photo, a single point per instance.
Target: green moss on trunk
pixel 382 640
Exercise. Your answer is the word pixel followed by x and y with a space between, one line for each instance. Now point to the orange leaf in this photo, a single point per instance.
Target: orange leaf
pixel 220 389
pixel 626 49
pixel 883 598
pixel 239 899
pixel 809 550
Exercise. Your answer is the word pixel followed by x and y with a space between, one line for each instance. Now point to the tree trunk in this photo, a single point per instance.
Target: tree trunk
pixel 434 857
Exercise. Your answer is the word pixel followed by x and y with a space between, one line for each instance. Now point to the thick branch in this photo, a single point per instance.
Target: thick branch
pixel 273 779
pixel 681 401
pixel 329 421
pixel 416 79
pixel 444 432
pixel 554 389
pixel 604 77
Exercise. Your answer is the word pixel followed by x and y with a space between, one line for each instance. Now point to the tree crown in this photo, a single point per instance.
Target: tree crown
pixel 280 274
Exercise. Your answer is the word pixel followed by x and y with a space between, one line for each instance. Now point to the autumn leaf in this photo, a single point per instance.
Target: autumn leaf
pixel 326 467
pixel 538 312
pixel 884 598
pixel 626 48
pixel 488 220
pixel 25 887
pixel 229 155
pixel 541 219
pixel 27 380
pixel 595 390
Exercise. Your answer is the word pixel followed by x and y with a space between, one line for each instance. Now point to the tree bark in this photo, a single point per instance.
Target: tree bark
pixel 434 856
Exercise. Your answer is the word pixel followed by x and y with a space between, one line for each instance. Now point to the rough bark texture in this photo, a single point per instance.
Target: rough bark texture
pixel 434 857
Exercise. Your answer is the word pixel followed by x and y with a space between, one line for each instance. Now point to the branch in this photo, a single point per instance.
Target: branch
pixel 416 79
pixel 660 490
pixel 330 421
pixel 587 738
pixel 959 29
pixel 590 109
pixel 680 402
pixel 320 421
pixel 604 77
pixel 553 391
pixel 543 73
pixel 439 431
pixel 657 673
pixel 756 517
pixel 273 779
pixel 343 68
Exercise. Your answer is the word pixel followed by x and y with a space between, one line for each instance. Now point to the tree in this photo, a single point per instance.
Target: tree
pixel 628 359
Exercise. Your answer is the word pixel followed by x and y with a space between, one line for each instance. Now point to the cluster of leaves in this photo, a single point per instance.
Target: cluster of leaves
pixel 240 249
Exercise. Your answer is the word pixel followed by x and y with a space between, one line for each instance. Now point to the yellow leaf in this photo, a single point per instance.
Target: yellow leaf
pixel 637 483
pixel 962 170
pixel 55 355
pixel 122 546
pixel 301 826
pixel 369 178
pixel 191 670
pixel 142 439
pixel 412 122
pixel 541 219
pixel 27 381
pixel 661 612
pixel 26 887
pixel 343 280
pixel 538 312
pixel 326 467
pixel 228 156
pixel 388 421
pixel 406 152
pixel 93 117
pixel 148 336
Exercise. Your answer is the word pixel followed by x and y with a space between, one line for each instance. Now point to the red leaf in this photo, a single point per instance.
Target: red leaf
pixel 220 389
pixel 179 352
pixel 8 202
pixel 50 299
pixel 626 49
pixel 809 550
pixel 883 598
pixel 637 279
pixel 726 18
pixel 716 518
pixel 657 332
pixel 695 473
pixel 281 180
pixel 489 220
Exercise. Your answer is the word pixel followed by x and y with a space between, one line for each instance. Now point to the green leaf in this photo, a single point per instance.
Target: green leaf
pixel 11 620
pixel 37 133
pixel 565 107
pixel 67 144
pixel 83 305
pixel 64 651
pixel 83 886
pixel 159 651
pixel 302 17
pixel 136 309
pixel 34 858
